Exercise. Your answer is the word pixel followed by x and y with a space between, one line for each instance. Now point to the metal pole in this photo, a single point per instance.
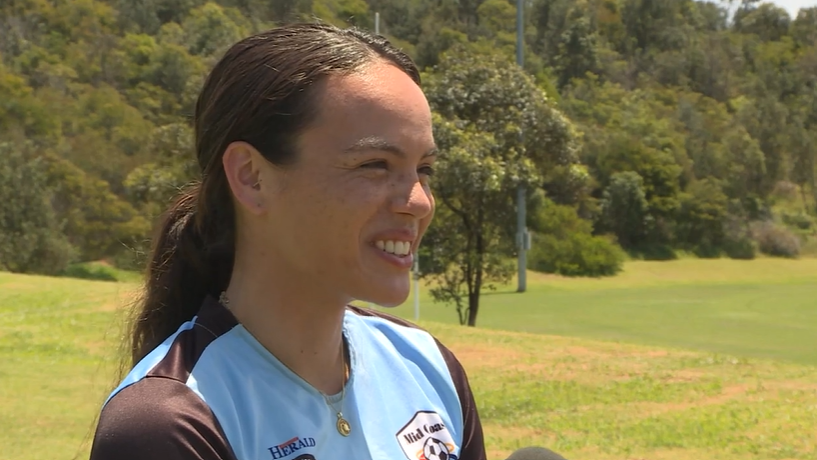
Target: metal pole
pixel 416 288
pixel 377 23
pixel 522 231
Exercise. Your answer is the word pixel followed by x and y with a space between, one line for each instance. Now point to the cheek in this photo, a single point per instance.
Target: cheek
pixel 345 208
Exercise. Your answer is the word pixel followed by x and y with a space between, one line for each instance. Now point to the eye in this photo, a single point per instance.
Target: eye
pixel 426 170
pixel 378 164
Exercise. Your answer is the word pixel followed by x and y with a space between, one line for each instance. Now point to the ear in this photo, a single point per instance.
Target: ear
pixel 242 166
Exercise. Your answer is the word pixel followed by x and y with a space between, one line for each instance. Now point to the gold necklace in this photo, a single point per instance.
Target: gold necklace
pixel 342 425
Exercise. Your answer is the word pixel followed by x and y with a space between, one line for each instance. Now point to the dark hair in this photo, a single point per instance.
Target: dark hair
pixel 262 91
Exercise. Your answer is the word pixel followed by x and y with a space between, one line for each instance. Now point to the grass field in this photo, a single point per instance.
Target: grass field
pixel 597 369
pixel 765 308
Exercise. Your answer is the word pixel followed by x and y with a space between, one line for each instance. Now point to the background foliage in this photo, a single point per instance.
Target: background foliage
pixel 656 126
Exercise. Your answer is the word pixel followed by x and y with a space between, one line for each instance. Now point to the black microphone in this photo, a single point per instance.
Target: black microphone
pixel 535 453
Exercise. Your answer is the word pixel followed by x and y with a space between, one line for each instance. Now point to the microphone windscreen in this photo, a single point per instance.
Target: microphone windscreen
pixel 535 453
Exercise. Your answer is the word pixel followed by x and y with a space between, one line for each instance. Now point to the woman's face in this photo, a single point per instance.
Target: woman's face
pixel 349 215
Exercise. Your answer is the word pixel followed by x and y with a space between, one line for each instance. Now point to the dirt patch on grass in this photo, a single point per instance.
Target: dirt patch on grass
pixel 683 376
pixel 580 352
pixel 106 348
pixel 565 363
pixel 479 356
pixel 649 409
pixel 791 386
pixel 110 306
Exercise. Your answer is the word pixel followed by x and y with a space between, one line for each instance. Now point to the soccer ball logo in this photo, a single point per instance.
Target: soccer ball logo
pixel 434 449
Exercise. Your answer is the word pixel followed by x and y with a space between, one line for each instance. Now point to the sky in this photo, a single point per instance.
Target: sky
pixel 793 6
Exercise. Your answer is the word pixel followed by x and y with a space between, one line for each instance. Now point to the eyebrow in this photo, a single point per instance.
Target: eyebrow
pixel 378 143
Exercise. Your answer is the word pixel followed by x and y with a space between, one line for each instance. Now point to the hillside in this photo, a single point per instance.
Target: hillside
pixel 703 126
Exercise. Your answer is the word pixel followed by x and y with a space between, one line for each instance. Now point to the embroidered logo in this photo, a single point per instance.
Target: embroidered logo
pixel 425 437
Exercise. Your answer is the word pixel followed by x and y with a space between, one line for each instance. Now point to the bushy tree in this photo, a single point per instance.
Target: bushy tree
pixel 625 209
pixel 482 105
pixel 31 238
pixel 702 217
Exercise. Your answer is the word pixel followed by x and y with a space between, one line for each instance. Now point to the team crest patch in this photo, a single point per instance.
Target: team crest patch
pixel 425 437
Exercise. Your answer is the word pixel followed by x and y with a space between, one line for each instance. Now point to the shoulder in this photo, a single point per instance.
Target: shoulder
pixel 394 327
pixel 398 328
pixel 158 418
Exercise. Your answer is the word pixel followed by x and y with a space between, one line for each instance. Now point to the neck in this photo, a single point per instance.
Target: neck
pixel 291 320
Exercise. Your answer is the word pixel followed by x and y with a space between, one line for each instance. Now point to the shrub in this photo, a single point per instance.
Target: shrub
pixel 707 250
pixel 563 243
pixel 737 241
pixel 89 272
pixel 740 248
pixel 653 251
pixel 132 257
pixel 798 220
pixel 744 249
pixel 577 254
pixel 775 240
pixel 701 218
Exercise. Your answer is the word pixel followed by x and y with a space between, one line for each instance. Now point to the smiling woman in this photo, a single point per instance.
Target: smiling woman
pixel 315 147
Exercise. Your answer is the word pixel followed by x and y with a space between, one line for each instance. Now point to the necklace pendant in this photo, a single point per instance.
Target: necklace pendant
pixel 343 426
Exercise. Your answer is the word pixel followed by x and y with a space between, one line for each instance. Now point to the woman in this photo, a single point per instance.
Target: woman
pixel 315 146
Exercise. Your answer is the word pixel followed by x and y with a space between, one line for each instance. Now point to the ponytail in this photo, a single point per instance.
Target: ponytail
pixel 192 258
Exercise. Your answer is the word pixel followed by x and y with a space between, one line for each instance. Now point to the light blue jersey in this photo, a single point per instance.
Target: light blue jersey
pixel 211 391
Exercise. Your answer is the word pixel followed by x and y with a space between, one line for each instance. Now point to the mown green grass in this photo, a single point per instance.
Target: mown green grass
pixel 57 344
pixel 565 389
pixel 765 308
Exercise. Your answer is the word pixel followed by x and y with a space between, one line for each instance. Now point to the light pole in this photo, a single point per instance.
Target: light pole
pixel 377 23
pixel 522 237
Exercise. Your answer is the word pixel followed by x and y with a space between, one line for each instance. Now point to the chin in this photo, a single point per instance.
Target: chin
pixel 389 298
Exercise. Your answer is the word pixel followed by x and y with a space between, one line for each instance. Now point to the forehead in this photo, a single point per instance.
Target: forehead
pixel 379 101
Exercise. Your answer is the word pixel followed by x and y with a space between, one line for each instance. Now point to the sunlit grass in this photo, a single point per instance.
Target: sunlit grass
pixel 762 308
pixel 639 393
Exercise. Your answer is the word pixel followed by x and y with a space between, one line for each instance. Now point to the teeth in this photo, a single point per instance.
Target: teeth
pixel 400 248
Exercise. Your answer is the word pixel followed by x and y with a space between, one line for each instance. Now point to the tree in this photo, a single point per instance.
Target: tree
pixel 577 53
pixel 702 218
pixel 767 21
pixel 467 245
pixel 625 210
pixel 31 239
pixel 804 27
pixel 489 92
pixel 211 29
pixel 482 104
pixel 96 222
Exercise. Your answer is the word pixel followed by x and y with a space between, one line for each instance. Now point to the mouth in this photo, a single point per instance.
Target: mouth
pixel 394 247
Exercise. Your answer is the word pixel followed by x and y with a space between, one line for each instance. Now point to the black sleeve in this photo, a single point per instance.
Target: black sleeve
pixel 158 418
pixel 473 443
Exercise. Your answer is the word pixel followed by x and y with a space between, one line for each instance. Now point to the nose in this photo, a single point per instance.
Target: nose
pixel 413 197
